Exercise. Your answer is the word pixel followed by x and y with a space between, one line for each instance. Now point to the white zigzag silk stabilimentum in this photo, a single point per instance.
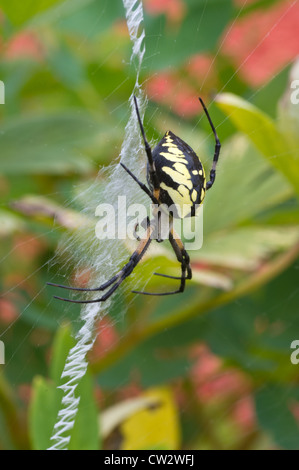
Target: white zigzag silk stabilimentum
pixel 76 363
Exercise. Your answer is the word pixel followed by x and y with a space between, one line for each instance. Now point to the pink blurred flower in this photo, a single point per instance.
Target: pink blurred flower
pixel 8 311
pixel 174 9
pixel 174 92
pixel 222 386
pixel 200 68
pixel 211 381
pixel 261 44
pixel 294 406
pixel 25 45
pixel 27 247
pixel 106 339
pixel 244 413
pixel 206 365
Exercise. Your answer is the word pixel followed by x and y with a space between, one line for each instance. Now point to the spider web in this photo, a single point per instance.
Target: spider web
pixel 76 364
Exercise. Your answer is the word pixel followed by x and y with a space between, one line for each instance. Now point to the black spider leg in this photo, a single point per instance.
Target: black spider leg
pixel 141 185
pixel 157 238
pixel 82 289
pixel 152 170
pixel 153 198
pixel 149 193
pixel 217 147
pixel 180 251
pixel 119 277
pixel 183 258
pixel 136 228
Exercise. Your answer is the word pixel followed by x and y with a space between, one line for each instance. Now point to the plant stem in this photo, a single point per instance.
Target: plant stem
pixel 15 424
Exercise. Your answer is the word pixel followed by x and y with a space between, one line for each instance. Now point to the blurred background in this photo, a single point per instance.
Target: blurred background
pixel 214 368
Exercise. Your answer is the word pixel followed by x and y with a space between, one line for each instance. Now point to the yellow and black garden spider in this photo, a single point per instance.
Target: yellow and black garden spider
pixel 176 179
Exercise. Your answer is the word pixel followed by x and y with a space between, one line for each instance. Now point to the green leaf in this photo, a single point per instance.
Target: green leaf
pixel 66 66
pixel 149 364
pixel 20 12
pixel 253 6
pixel 200 29
pixel 43 412
pixel 256 332
pixel 269 95
pixel 46 144
pixel 63 342
pixel 246 185
pixel 288 112
pixel 264 134
pixel 273 406
pixel 85 434
pixel 246 248
pixel 81 16
pixel 46 403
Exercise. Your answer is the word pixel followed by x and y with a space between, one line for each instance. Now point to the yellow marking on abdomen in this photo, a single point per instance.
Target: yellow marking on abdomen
pixel 175 150
pixel 182 168
pixel 169 144
pixel 181 198
pixel 178 177
pixel 171 157
pixel 172 148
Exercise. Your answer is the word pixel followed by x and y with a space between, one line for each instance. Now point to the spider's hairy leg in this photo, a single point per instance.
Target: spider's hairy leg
pixel 183 258
pixel 144 224
pixel 141 185
pixel 82 289
pixel 181 254
pixel 136 228
pixel 217 147
pixel 116 280
pixel 152 170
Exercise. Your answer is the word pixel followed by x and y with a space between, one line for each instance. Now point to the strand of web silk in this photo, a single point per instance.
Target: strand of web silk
pixel 76 363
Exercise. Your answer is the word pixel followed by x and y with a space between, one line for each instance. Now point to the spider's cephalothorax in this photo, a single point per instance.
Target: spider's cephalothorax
pixel 177 180
pixel 181 175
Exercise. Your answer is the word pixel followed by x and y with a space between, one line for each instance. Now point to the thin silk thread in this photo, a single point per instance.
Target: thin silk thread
pixel 76 363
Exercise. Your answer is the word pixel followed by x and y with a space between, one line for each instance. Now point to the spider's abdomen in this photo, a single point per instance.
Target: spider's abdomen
pixel 181 176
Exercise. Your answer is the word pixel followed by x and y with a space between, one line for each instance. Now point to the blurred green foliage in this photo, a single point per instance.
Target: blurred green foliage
pixel 64 116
